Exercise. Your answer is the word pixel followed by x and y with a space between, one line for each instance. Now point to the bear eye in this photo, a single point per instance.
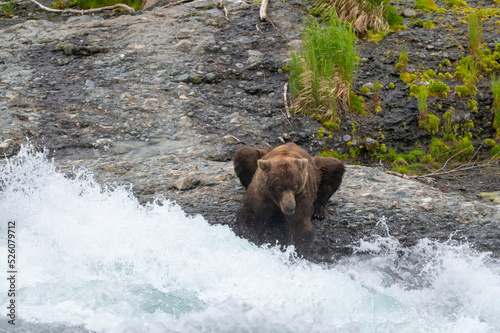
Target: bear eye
pixel 295 188
pixel 280 189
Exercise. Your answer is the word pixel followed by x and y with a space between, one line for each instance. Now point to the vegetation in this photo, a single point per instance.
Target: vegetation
pixel 7 8
pixel 87 4
pixel 322 70
pixel 426 5
pixel 495 87
pixel 475 27
pixel 365 15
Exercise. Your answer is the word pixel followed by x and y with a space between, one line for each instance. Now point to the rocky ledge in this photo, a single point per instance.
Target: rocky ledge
pixel 162 99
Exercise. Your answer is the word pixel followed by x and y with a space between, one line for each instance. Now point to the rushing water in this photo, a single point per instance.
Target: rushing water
pixel 95 258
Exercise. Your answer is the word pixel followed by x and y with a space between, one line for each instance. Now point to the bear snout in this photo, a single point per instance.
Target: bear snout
pixel 287 203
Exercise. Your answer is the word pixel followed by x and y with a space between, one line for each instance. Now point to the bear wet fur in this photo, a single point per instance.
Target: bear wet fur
pixel 285 188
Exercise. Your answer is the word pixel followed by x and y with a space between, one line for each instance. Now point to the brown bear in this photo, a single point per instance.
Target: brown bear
pixel 285 188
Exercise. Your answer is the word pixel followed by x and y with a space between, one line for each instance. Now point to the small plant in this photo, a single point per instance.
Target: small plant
pixel 422 103
pixel 475 27
pixel 467 71
pixel 403 59
pixel 448 134
pixel 495 87
pixel 364 90
pixel 377 87
pixel 7 8
pixel 429 24
pixel 407 77
pixel 438 88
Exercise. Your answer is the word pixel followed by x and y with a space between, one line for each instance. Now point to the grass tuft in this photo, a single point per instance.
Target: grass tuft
pixel 475 28
pixel 322 71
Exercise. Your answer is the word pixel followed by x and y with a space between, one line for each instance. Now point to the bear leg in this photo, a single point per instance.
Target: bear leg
pixel 245 163
pixel 331 171
pixel 301 236
pixel 249 226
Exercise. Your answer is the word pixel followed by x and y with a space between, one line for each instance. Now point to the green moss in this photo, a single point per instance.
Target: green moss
pixel 426 5
pixel 455 3
pixel 375 37
pixel 392 17
pixel 383 148
pixel 427 159
pixel 495 152
pixel 332 125
pixel 332 153
pixel 356 104
pixel 429 24
pixel 437 88
pixel 364 90
pixel 462 91
pixel 465 149
pixel 372 147
pixel 391 85
pixel 407 77
pixel 430 124
pixel 489 143
pixel 438 148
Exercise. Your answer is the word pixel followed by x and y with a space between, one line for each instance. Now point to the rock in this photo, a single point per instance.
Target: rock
pixel 210 77
pixel 186 183
pixel 254 58
pixel 346 138
pixel 195 79
pixel 184 45
pixel 409 13
pixel 68 49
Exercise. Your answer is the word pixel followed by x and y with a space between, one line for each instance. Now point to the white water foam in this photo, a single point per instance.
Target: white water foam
pixel 92 256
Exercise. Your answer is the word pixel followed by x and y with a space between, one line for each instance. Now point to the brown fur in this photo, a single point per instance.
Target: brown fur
pixel 285 188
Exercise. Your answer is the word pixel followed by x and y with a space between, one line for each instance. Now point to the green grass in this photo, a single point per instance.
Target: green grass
pixel 364 15
pixel 7 8
pixel 322 70
pixel 495 87
pixel 475 28
pixel 86 4
pixel 467 71
pixel 422 103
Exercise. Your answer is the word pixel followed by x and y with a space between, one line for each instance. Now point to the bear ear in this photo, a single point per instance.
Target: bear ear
pixel 264 165
pixel 302 163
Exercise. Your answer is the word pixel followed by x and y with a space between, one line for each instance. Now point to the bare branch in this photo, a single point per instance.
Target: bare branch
pixel 85 11
pixel 263 10
pixel 220 5
pixel 285 88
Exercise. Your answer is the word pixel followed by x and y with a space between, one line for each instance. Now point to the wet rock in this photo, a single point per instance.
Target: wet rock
pixel 409 13
pixel 186 183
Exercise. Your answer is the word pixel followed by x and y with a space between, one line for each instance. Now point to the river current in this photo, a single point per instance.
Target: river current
pixel 91 257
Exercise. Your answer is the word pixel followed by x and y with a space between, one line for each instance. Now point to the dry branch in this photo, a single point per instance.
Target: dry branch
pixel 285 92
pixel 220 5
pixel 263 10
pixel 467 166
pixel 84 11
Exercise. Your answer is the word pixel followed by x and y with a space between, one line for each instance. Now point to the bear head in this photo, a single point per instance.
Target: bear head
pixel 285 178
